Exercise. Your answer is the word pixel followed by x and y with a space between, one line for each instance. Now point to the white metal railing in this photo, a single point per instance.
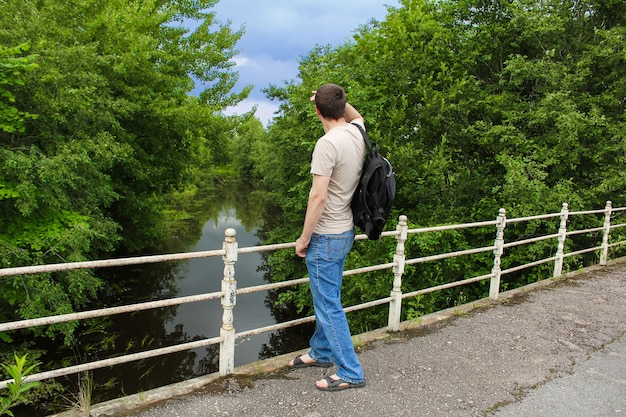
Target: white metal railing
pixel 229 290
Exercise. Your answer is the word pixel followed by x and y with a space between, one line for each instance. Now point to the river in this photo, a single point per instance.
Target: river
pixel 130 333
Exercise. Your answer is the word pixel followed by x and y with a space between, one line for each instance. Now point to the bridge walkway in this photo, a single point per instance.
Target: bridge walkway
pixel 555 348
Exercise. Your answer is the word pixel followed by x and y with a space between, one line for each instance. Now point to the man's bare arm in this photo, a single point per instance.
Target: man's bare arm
pixel 315 206
pixel 352 115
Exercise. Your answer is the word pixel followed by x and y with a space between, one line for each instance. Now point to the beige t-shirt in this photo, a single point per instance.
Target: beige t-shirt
pixel 339 155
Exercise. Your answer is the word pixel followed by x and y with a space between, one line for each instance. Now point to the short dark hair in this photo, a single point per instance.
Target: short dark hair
pixel 330 99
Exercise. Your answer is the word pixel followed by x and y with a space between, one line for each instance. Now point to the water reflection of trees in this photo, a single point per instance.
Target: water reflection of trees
pixel 287 340
pixel 134 332
pixel 146 330
pixel 293 338
pixel 107 337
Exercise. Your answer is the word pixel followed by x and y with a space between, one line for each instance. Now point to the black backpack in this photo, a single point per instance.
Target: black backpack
pixel 374 195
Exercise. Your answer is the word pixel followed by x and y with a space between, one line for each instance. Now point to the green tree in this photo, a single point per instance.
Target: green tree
pixel 13 67
pixel 479 105
pixel 243 146
pixel 115 130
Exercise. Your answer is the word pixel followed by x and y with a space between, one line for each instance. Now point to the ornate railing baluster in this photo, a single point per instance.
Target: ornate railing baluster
pixel 229 296
pixel 496 271
pixel 395 306
pixel 558 263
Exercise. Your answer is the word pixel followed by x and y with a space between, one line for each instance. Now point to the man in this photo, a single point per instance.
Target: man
pixel 328 234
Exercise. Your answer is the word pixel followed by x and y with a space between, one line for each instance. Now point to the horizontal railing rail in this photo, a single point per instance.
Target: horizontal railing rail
pixel 229 292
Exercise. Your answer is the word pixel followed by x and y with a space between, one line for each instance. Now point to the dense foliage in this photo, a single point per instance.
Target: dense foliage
pixel 479 105
pixel 97 124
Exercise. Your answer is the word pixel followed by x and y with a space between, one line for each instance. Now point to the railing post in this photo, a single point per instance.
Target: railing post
pixel 604 256
pixel 395 306
pixel 229 293
pixel 496 271
pixel 558 263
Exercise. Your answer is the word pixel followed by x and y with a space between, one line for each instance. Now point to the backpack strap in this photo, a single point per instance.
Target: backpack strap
pixel 365 137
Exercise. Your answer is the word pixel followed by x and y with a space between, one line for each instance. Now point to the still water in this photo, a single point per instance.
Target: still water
pixel 199 276
pixel 231 207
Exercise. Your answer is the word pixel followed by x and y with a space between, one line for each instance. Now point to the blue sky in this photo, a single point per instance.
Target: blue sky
pixel 279 32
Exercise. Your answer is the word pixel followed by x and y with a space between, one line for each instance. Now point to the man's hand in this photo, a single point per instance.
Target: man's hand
pixel 301 247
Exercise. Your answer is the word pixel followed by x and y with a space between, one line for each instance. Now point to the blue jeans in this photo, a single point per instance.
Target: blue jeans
pixel 331 341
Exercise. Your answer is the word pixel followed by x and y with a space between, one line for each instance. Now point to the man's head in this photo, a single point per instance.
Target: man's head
pixel 330 100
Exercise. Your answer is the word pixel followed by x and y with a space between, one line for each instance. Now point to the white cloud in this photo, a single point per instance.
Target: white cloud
pixel 262 70
pixel 265 109
pixel 241 61
pixel 279 32
pixel 289 28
